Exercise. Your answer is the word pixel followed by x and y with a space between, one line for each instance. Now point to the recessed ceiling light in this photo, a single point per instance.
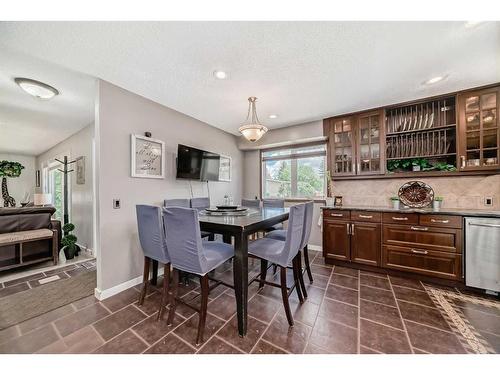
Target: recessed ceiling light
pixel 434 80
pixel 219 74
pixel 273 116
pixel 471 24
pixel 36 88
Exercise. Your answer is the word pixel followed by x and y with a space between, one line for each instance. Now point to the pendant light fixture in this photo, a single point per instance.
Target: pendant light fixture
pixel 252 129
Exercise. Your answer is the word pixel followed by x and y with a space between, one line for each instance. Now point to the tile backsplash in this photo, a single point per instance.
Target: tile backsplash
pixel 458 192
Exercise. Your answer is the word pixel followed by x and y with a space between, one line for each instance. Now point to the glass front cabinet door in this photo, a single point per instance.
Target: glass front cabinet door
pixel 370 134
pixel 479 134
pixel 342 146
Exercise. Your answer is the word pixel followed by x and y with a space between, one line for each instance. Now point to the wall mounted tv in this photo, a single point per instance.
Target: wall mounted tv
pixel 195 164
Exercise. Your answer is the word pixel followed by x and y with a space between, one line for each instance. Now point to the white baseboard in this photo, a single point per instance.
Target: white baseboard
pixel 315 247
pixel 106 293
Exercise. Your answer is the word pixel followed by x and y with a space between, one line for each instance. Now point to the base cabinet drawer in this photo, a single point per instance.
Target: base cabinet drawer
pixel 430 238
pixel 426 262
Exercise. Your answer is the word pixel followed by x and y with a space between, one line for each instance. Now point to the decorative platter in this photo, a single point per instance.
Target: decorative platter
pixel 416 194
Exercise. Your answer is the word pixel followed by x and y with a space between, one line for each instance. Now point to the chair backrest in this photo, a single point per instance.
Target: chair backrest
pixel 152 233
pixel 182 230
pixel 294 233
pixel 200 203
pixel 176 203
pixel 308 217
pixel 250 203
pixel 273 203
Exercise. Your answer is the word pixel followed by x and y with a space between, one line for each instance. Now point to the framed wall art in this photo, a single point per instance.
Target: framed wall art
pixel 80 170
pixel 147 157
pixel 225 168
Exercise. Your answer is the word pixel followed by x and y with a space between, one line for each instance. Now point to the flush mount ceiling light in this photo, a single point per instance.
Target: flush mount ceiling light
pixel 434 80
pixel 219 74
pixel 252 129
pixel 36 88
pixel 273 116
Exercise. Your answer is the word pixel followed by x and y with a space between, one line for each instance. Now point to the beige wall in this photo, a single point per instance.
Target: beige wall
pixel 81 203
pixel 121 113
pixel 23 184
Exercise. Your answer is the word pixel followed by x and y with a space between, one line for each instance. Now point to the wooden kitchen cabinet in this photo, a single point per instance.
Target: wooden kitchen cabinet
pixel 365 243
pixel 352 241
pixel 479 129
pixel 425 244
pixel 336 239
pixel 356 144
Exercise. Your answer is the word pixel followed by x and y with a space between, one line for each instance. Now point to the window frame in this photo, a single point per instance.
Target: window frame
pixel 263 159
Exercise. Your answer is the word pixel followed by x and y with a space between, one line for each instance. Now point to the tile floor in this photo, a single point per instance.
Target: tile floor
pixel 347 311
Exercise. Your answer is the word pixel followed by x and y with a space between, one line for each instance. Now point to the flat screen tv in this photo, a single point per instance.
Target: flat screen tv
pixel 195 164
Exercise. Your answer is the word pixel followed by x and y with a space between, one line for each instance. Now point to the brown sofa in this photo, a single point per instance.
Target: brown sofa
pixel 20 219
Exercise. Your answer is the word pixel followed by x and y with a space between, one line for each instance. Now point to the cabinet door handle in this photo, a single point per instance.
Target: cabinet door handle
pixel 366 216
pixel 336 215
pixel 463 161
pixel 352 229
pixel 419 228
pixel 440 221
pixel 399 218
pixel 424 252
pixel 348 229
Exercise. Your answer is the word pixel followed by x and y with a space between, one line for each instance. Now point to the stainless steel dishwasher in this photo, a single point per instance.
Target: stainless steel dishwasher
pixel 482 253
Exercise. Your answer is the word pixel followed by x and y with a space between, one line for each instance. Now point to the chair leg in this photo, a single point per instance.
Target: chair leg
pixel 301 275
pixel 145 279
pixel 263 272
pixel 164 292
pixel 284 294
pixel 211 237
pixel 296 283
pixel 173 297
pixel 275 268
pixel 308 266
pixel 203 308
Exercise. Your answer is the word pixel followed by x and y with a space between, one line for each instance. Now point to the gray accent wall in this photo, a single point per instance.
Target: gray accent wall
pixel 81 197
pixel 119 114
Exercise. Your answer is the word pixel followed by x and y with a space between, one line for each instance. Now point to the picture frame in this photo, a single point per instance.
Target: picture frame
pixel 147 157
pixel 80 170
pixel 338 201
pixel 225 168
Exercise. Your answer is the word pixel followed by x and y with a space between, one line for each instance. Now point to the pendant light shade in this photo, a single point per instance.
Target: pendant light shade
pixel 252 129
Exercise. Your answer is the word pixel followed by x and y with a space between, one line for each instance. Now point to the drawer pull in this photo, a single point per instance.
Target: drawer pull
pixel 424 252
pixel 440 221
pixel 419 228
pixel 366 216
pixel 348 229
pixel 399 218
pixel 336 215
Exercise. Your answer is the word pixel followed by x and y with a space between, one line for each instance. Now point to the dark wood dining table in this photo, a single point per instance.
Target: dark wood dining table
pixel 240 228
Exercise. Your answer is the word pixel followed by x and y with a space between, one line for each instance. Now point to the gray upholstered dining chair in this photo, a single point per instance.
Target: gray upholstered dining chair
pixel 274 203
pixel 154 247
pixel 200 204
pixel 283 254
pixel 253 203
pixel 188 253
pixel 281 235
pixel 176 203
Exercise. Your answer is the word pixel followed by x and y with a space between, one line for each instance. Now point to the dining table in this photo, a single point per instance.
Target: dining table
pixel 236 229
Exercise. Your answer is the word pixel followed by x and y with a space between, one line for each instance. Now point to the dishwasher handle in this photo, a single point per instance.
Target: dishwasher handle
pixel 485 225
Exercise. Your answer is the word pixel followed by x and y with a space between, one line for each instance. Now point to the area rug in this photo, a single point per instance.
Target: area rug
pixel 454 307
pixel 25 305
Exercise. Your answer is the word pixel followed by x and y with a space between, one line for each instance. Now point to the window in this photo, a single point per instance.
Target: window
pixel 294 172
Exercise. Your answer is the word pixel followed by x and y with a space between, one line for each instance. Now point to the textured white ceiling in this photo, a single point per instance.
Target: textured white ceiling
pixel 302 71
pixel 31 126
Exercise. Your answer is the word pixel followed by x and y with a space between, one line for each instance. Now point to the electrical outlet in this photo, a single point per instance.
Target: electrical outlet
pixel 488 201
pixel 116 203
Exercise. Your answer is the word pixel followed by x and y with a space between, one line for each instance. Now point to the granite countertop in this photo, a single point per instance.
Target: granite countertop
pixel 429 210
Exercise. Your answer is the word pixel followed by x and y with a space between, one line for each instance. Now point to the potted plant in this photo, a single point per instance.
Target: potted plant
pixel 436 203
pixel 68 243
pixel 9 169
pixel 419 164
pixel 395 202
